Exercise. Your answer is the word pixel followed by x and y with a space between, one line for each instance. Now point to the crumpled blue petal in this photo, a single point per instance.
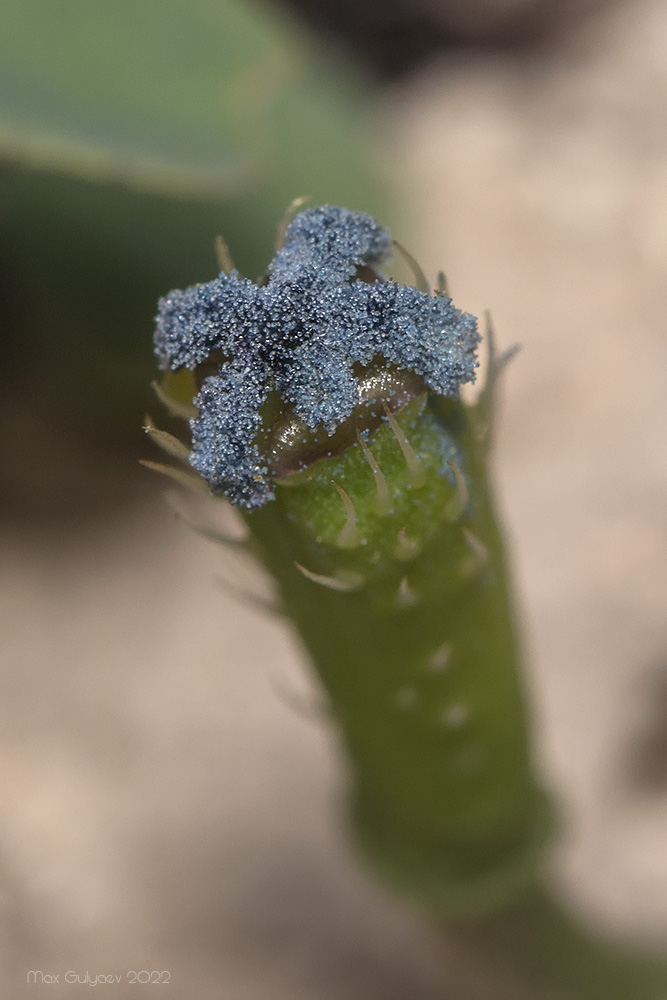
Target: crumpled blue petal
pixel 300 334
pixel 328 244
pixel 224 451
pixel 192 324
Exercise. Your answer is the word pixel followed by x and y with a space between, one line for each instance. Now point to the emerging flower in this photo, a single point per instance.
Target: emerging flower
pixel 308 335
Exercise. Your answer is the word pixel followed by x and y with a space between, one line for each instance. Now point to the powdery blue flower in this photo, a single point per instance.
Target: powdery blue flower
pixel 300 334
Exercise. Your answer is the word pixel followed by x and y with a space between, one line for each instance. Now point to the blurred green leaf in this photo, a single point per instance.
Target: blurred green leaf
pixel 167 95
pixel 131 133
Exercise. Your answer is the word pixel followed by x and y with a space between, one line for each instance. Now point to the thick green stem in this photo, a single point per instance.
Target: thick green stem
pixel 423 670
pixel 532 949
pixel 420 660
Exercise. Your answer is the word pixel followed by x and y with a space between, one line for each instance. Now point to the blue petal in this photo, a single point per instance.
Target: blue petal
pixel 193 323
pixel 329 243
pixel 224 434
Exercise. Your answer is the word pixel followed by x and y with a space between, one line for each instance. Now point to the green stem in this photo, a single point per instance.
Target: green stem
pixel 532 949
pixel 450 813
pixel 423 670
pixel 420 663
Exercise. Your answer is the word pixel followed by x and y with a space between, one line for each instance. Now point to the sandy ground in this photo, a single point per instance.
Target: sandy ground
pixel 165 806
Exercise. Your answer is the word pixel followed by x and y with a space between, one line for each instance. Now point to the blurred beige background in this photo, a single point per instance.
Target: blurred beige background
pixel 165 805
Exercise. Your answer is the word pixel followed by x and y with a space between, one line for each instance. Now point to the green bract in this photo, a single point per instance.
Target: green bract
pixel 397 586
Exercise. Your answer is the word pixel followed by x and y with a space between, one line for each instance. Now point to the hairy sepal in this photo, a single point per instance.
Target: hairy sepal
pixel 407 618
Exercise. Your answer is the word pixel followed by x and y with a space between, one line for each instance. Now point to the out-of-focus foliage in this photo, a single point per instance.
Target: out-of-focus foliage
pixel 397 36
pixel 131 133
